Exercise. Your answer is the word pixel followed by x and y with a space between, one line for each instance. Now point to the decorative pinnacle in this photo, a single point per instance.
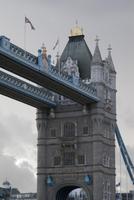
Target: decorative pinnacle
pixel 109 48
pixel 109 59
pixel 44 50
pixel 57 55
pixel 97 40
pixel 43 45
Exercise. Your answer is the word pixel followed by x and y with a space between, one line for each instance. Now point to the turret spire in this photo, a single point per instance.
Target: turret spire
pixel 109 59
pixel 58 61
pixel 97 55
pixel 76 31
pixel 97 40
pixel 44 51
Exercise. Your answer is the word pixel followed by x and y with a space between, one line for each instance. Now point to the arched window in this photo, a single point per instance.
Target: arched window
pixel 106 160
pixel 106 190
pixel 69 158
pixel 81 159
pixel 69 129
pixel 57 160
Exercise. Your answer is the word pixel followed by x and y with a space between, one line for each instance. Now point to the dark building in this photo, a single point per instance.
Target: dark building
pixel 5 191
pixel 24 196
pixel 9 193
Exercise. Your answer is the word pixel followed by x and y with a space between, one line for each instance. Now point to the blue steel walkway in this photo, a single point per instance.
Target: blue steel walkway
pixel 24 92
pixel 20 62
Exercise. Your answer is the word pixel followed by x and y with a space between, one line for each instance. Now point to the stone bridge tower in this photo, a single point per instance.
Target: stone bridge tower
pixel 76 144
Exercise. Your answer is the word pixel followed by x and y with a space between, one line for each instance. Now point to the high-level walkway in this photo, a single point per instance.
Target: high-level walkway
pixel 20 62
pixel 22 91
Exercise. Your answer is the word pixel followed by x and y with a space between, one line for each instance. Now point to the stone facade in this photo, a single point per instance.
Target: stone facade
pixel 76 143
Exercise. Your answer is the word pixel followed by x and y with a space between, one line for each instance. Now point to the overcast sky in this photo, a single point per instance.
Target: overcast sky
pixel 112 21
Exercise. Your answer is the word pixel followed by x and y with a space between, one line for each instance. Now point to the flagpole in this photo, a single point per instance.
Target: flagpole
pixel 59 54
pixel 25 36
pixel 58 45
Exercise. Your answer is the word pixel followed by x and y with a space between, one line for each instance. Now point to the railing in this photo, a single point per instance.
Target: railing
pixel 17 51
pixel 25 87
pixel 23 54
pixel 69 79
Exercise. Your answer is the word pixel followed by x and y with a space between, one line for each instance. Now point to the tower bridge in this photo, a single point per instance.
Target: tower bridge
pixel 76 118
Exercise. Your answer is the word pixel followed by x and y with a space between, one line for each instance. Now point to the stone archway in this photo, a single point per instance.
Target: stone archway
pixel 64 191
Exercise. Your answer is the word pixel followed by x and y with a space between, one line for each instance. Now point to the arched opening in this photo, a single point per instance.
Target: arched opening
pixel 71 193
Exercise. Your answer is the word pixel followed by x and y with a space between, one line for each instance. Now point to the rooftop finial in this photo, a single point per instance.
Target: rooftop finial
pixel 97 55
pixel 57 55
pixel 97 40
pixel 43 45
pixel 44 50
pixel 109 59
pixel 76 31
pixel 58 61
pixel 76 22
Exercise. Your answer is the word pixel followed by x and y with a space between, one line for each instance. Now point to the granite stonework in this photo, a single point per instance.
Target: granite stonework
pixel 76 143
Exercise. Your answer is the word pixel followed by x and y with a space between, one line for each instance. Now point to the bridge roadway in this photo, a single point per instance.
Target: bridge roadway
pixel 22 91
pixel 24 64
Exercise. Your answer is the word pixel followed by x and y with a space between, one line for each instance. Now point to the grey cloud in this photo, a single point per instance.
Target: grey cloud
pixel 18 153
pixel 20 177
pixel 17 132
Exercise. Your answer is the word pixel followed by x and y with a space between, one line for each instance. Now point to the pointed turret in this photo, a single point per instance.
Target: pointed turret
pixel 97 55
pixel 110 60
pixel 77 49
pixel 97 64
pixel 110 73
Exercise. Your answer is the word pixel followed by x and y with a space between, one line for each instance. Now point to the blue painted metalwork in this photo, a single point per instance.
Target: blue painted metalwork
pixel 20 53
pixel 35 64
pixel 50 181
pixel 125 155
pixel 49 60
pixel 40 63
pixel 88 179
pixel 38 93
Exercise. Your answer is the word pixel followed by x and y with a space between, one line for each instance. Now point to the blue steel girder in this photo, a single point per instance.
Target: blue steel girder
pixel 24 64
pixel 22 91
pixel 127 160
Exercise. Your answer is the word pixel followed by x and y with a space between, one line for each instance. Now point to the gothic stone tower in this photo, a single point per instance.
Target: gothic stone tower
pixel 76 144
